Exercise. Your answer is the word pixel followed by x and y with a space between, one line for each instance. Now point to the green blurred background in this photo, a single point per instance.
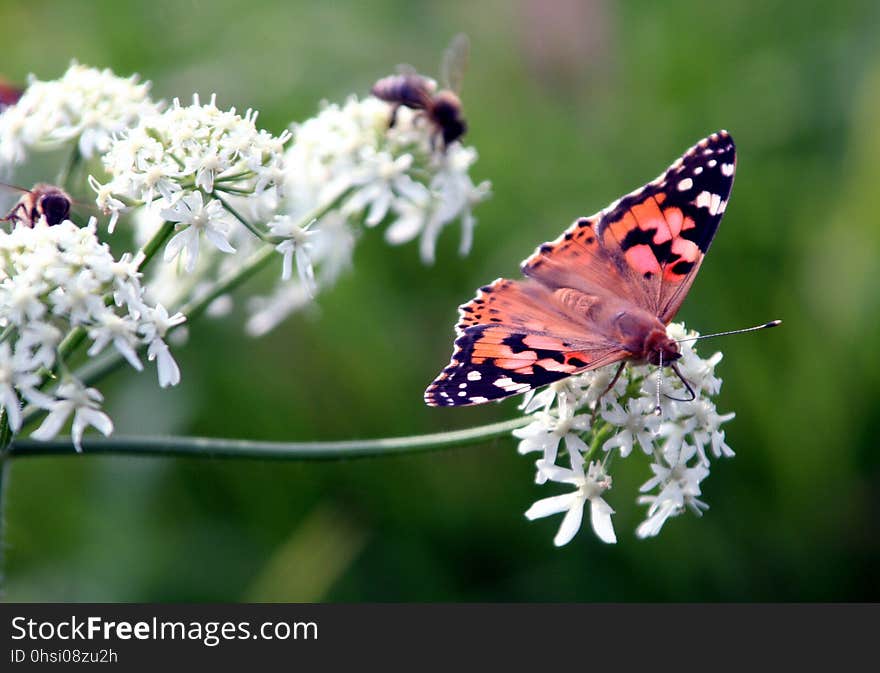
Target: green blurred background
pixel 570 104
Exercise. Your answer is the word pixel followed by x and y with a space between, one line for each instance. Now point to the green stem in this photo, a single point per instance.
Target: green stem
pixel 229 282
pixel 201 447
pixel 71 342
pixel 157 240
pixel 255 263
pixel 247 225
pixel 67 170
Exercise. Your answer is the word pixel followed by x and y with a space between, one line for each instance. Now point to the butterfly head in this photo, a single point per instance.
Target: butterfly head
pixel 660 349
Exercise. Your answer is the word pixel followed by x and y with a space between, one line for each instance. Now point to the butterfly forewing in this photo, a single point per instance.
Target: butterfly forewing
pixel 648 245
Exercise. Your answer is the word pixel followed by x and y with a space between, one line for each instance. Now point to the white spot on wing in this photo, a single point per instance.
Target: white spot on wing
pixel 703 200
pixel 474 376
pixel 685 184
pixel 727 169
pixel 511 386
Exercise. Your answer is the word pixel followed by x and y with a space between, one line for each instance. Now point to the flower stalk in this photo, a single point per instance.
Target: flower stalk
pixel 202 447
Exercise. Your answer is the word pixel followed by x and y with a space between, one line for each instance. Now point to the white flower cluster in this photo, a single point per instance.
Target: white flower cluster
pixel 56 279
pixel 347 157
pixel 214 189
pixel 679 439
pixel 85 106
pixel 182 161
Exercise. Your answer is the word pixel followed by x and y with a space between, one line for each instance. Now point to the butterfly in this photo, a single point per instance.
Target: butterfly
pixel 602 292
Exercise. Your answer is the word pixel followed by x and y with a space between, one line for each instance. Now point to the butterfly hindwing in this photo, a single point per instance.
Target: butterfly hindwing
pixel 647 246
pixel 513 337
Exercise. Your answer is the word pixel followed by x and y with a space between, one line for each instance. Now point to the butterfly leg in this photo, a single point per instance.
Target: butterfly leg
pixel 604 392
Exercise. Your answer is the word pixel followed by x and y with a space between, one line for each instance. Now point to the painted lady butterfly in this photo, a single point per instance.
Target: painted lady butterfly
pixel 602 292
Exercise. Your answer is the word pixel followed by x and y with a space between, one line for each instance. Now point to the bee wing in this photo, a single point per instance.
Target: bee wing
pixel 455 60
pixel 15 188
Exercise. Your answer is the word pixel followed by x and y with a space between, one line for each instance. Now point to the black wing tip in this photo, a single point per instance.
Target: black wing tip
pixel 720 138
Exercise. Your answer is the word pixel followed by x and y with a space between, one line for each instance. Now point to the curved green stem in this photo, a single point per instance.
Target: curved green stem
pixel 229 282
pixel 238 216
pixel 202 447
pixel 66 173
pixel 151 247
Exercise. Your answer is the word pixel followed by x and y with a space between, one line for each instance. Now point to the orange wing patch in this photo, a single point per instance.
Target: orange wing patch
pixel 647 246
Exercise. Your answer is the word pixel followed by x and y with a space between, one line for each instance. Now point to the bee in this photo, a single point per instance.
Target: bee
pixel 43 200
pixel 9 94
pixel 442 108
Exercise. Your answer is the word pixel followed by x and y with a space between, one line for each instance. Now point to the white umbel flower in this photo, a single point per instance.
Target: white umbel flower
pixel 55 279
pixel 194 218
pixel 171 156
pixel 589 488
pixel 298 243
pixel 598 423
pixel 347 163
pixel 679 486
pixel 85 106
pixel 72 398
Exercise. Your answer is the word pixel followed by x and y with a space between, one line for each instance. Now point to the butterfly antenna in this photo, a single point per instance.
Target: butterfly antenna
pixel 772 323
pixel 693 395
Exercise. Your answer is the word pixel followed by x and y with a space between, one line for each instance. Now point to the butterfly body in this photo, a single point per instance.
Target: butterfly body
pixel 602 292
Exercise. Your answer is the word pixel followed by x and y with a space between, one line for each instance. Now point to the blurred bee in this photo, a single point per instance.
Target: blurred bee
pixel 442 108
pixel 9 94
pixel 43 200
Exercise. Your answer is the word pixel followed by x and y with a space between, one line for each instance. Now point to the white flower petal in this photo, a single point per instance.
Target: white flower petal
pixel 571 523
pixel 600 518
pixel 551 505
